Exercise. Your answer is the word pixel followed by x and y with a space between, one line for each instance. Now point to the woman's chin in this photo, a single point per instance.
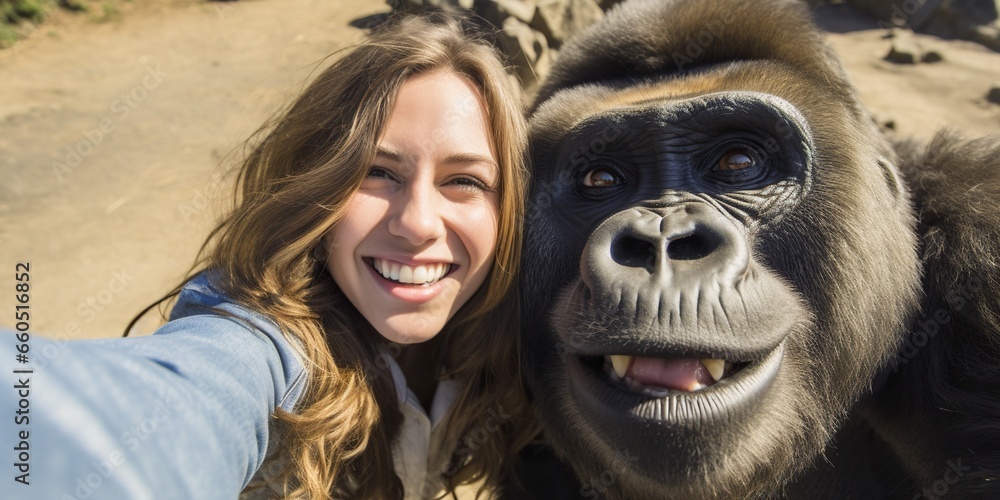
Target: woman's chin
pixel 415 331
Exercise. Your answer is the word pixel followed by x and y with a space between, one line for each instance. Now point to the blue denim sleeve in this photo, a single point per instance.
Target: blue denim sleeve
pixel 183 413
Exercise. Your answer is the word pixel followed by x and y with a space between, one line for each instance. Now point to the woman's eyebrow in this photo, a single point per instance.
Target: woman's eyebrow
pixel 471 158
pixel 389 154
pixel 459 158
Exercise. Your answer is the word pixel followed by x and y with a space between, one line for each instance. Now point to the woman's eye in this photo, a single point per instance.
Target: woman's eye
pixel 470 183
pixel 736 159
pixel 602 177
pixel 379 172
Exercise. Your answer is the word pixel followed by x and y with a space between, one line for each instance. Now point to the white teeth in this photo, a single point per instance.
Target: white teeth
pixel 405 274
pixel 420 274
pixel 716 368
pixel 620 364
pixel 417 275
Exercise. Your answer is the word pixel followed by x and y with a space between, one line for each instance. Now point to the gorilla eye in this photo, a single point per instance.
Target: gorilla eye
pixel 602 177
pixel 737 159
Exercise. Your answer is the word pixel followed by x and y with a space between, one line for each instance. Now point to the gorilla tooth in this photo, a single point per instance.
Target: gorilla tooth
pixel 620 364
pixel 716 368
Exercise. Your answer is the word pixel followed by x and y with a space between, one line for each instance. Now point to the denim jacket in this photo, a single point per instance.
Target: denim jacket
pixel 184 413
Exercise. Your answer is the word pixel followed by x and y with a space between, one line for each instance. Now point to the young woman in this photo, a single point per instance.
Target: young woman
pixel 352 331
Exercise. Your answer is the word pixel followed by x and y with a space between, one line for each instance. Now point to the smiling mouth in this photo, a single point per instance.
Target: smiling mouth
pixel 421 275
pixel 668 389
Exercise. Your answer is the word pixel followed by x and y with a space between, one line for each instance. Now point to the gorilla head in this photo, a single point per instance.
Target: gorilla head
pixel 720 258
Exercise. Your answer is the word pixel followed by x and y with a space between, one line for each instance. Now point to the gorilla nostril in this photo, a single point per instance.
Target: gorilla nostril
pixel 693 247
pixel 630 251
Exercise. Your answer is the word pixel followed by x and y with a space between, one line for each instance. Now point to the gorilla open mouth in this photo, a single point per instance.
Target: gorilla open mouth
pixel 653 376
pixel 670 389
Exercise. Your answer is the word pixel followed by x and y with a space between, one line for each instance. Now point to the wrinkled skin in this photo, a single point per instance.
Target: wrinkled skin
pixel 731 202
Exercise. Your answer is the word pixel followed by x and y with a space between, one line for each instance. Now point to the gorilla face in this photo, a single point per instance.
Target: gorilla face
pixel 717 261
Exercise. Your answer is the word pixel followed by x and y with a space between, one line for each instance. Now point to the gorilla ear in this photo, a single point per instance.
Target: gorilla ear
pixel 891 177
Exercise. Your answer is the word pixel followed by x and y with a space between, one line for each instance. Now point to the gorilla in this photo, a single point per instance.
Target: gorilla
pixel 734 286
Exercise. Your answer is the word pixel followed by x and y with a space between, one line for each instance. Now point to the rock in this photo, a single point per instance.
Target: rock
pixel 975 11
pixel 523 10
pixel 931 56
pixel 607 4
pixel 976 20
pixel 411 4
pixel 884 123
pixel 78 6
pixel 528 51
pixel 903 13
pixel 994 94
pixel 495 11
pixel 558 20
pixel 905 49
pixel 986 35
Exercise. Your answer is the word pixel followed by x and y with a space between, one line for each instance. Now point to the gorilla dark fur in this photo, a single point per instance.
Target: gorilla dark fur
pixel 735 286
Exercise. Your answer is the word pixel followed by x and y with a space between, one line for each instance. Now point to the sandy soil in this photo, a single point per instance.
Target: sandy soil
pixel 921 98
pixel 152 104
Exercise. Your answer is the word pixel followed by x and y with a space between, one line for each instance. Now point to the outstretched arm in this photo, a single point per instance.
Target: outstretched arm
pixel 183 413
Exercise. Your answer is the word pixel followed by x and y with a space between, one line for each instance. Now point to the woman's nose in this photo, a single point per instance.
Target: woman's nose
pixel 417 215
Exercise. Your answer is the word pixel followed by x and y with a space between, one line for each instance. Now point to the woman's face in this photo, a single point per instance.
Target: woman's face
pixel 419 236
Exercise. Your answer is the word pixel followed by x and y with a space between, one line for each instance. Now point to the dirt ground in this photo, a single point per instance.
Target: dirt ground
pixel 153 102
pixel 111 134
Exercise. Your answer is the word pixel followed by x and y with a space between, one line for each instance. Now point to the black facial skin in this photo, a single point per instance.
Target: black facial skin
pixel 659 221
pixel 732 200
pixel 676 147
pixel 667 218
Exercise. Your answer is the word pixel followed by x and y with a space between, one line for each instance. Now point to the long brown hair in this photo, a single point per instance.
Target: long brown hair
pixel 293 187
